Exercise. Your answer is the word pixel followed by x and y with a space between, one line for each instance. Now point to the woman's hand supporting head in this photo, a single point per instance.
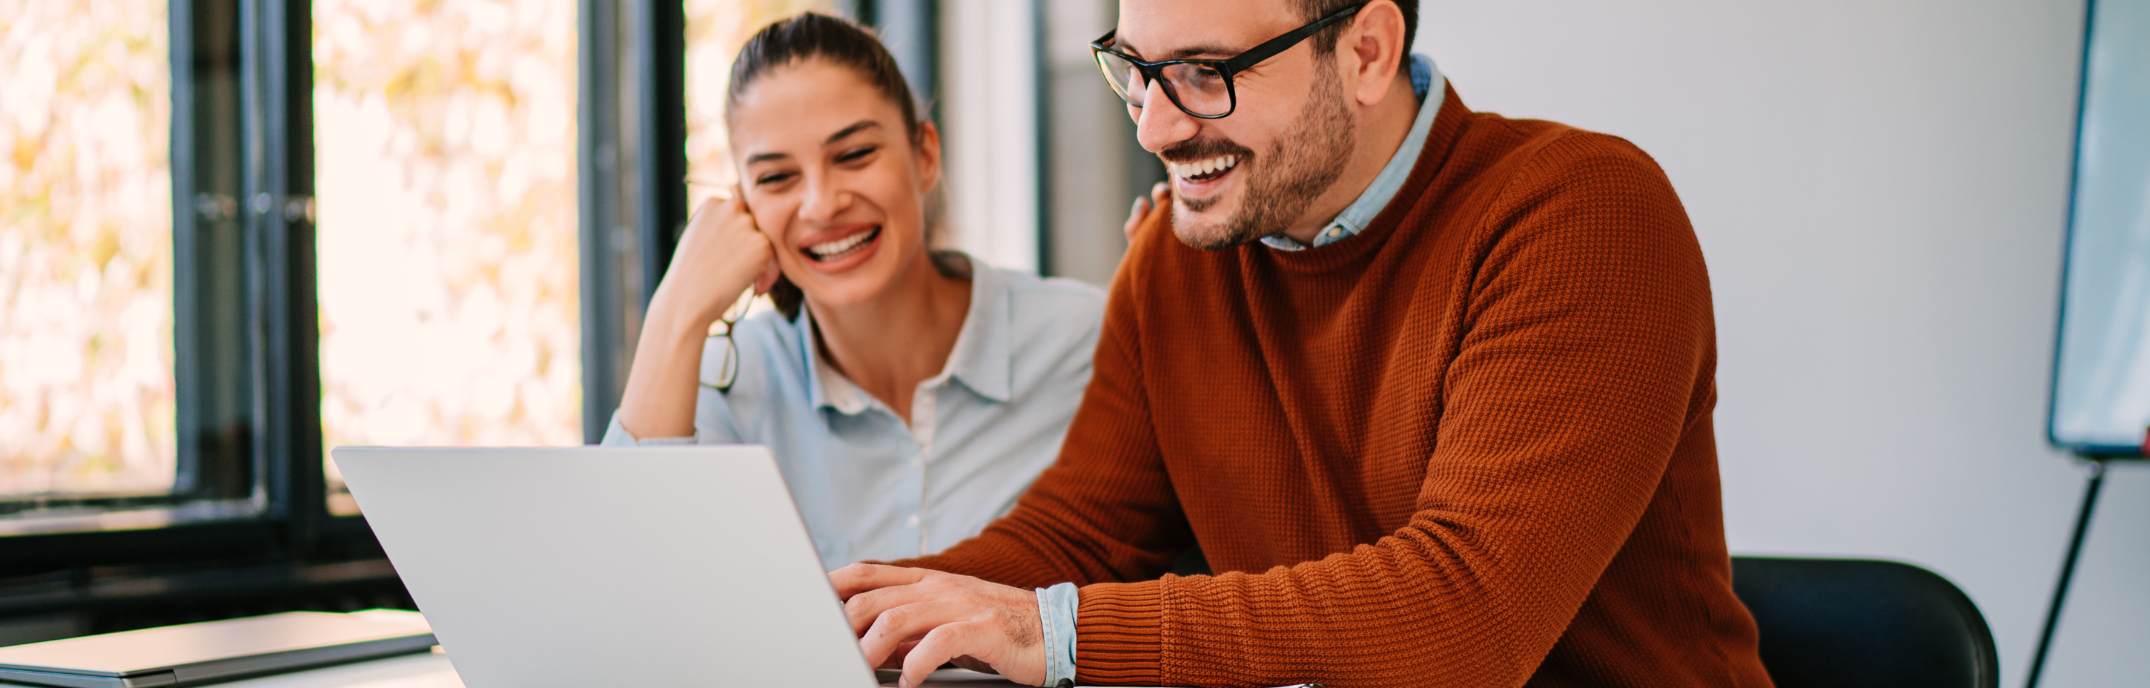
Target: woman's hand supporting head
pixel 718 257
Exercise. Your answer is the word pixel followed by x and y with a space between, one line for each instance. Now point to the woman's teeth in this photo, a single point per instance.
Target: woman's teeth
pixel 1203 168
pixel 842 247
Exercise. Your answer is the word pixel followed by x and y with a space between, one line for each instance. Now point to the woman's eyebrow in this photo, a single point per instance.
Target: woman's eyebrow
pixel 847 132
pixel 841 134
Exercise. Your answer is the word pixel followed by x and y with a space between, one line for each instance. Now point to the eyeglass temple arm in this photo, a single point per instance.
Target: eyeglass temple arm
pixel 1266 50
pixel 1271 47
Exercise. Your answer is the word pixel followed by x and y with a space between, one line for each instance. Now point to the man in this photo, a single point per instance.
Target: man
pixel 1431 389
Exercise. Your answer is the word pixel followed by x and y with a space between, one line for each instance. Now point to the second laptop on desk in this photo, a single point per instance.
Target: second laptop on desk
pixel 214 651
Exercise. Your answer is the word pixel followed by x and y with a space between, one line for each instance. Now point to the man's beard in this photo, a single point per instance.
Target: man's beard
pixel 1280 184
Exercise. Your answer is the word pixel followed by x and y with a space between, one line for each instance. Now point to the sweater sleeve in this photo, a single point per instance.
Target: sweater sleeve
pixel 1585 358
pixel 1105 510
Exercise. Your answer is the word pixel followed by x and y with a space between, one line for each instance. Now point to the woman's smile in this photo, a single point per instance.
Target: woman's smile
pixel 841 248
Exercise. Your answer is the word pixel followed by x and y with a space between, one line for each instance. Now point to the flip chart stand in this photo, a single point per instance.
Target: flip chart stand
pixel 2098 466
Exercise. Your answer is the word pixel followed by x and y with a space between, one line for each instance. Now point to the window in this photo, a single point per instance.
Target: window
pixel 122 350
pixel 86 383
pixel 715 31
pixel 445 156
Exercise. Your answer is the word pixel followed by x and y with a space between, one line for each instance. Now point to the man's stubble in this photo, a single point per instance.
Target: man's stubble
pixel 1285 180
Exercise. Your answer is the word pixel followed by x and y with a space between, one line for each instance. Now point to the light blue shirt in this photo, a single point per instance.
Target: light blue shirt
pixel 1431 89
pixel 1057 604
pixel 870 487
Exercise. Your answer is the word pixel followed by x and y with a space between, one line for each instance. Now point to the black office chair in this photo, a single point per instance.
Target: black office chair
pixel 1852 623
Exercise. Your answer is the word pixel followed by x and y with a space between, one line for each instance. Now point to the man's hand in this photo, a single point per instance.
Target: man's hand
pixel 919 619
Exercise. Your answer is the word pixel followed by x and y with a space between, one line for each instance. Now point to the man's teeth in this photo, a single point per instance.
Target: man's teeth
pixel 841 245
pixel 1198 168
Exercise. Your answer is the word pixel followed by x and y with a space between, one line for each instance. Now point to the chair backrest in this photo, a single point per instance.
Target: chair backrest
pixel 1854 623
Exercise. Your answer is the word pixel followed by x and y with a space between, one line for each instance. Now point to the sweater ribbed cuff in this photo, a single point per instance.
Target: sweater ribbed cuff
pixel 1119 626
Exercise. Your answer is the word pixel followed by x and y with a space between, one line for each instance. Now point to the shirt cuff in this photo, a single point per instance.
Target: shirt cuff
pixel 1056 613
pixel 616 435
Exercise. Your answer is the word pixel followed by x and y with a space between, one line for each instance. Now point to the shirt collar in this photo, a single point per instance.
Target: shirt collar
pixel 982 358
pixel 1431 88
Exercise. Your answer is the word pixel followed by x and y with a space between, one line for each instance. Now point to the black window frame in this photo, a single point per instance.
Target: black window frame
pixel 246 317
pixel 242 249
pixel 246 363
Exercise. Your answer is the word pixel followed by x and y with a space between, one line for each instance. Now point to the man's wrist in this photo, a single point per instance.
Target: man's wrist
pixel 1056 616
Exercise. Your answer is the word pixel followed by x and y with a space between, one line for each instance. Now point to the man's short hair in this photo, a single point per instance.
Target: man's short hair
pixel 1325 42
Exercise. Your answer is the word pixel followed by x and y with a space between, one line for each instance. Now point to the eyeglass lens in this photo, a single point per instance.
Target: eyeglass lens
pixel 730 372
pixel 1199 89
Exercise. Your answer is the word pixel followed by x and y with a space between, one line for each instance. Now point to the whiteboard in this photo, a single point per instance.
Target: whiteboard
pixel 2101 381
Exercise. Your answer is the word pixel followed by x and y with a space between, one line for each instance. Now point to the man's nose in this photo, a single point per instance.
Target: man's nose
pixel 1159 124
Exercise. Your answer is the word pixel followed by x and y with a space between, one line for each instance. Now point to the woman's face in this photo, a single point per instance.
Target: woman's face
pixel 833 179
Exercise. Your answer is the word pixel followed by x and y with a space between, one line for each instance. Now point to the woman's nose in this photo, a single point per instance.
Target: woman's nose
pixel 824 199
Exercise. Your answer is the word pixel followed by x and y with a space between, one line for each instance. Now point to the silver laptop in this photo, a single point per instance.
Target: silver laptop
pixel 213 651
pixel 597 566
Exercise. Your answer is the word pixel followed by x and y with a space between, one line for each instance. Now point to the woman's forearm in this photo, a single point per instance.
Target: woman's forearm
pixel 662 384
pixel 719 256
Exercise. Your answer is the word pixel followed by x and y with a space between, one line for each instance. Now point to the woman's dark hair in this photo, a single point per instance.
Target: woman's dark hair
pixel 815 36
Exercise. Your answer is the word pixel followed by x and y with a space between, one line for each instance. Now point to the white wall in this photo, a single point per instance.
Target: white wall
pixel 1880 188
pixel 989 98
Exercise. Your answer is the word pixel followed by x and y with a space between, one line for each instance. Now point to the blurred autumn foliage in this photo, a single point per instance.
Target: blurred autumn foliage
pixel 445 168
pixel 445 163
pixel 86 385
pixel 715 31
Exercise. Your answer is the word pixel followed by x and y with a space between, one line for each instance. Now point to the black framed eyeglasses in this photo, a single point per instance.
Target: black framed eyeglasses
pixel 1201 88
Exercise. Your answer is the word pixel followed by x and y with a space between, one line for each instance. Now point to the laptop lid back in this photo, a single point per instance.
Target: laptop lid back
pixel 190 654
pixel 603 566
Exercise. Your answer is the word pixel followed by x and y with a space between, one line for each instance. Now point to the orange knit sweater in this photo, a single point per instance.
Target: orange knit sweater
pixel 1470 446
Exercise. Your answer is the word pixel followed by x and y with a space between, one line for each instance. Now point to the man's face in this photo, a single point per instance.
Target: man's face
pixel 1255 172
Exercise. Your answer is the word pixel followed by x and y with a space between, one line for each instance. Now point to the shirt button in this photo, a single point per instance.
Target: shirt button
pixel 1333 231
pixel 913 521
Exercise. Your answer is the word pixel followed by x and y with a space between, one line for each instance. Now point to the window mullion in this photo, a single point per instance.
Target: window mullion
pixel 276 68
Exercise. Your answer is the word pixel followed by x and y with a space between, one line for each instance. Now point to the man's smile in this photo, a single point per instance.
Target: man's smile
pixel 1202 178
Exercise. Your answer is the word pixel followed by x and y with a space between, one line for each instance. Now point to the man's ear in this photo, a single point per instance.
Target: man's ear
pixel 928 152
pixel 1372 51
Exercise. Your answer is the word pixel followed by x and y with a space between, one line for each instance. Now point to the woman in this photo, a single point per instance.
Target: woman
pixel 909 395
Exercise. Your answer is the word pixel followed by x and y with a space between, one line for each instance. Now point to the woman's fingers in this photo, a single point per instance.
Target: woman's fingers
pixel 1143 206
pixel 769 274
pixel 720 256
pixel 770 271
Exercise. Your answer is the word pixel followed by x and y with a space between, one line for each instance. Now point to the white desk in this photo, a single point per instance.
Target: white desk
pixel 406 671
pixel 433 671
